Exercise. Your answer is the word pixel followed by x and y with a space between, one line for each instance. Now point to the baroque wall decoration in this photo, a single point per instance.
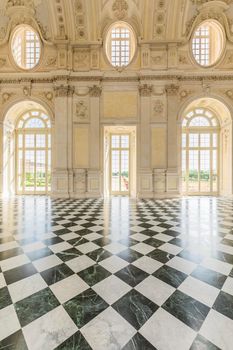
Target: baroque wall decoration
pixel 120 9
pixel 160 17
pixel 82 59
pixel 80 25
pixel 158 108
pixel 81 110
pixel 145 90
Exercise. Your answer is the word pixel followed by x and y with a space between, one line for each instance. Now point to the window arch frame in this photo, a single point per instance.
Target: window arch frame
pixel 35 133
pixel 198 145
pixel 37 61
pixel 108 43
pixel 222 34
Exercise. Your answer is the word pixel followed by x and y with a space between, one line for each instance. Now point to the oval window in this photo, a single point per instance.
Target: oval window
pixel 26 47
pixel 120 44
pixel 208 43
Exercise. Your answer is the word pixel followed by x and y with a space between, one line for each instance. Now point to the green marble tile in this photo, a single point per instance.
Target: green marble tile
pixel 84 307
pixel 5 298
pixel 76 342
pixel 35 306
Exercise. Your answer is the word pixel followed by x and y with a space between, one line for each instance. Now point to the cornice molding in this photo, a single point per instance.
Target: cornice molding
pixel 60 81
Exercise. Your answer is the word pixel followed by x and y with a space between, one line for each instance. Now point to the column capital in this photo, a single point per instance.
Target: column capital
pixel 145 90
pixel 172 89
pixel 64 91
pixel 95 91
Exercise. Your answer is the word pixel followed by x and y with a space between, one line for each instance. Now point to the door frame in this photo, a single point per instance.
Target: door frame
pixel 120 193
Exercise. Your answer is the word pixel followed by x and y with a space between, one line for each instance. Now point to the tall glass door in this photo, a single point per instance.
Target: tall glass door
pixel 200 162
pixel 120 164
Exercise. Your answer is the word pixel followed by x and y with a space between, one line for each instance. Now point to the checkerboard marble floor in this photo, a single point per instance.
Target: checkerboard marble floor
pixel 116 274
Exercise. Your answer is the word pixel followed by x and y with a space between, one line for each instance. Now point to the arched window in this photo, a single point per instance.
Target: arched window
pixel 200 144
pixel 33 153
pixel 120 44
pixel 26 47
pixel 208 43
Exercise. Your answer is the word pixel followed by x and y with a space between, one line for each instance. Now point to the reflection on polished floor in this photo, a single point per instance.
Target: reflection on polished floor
pixel 116 274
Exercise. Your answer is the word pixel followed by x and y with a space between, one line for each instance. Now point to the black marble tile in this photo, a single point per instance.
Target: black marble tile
pixel 179 242
pixel 135 308
pixel 170 276
pixel 224 304
pixel 83 232
pixel 18 273
pixel 53 240
pixel 102 241
pixel 228 258
pixel 138 342
pixel 75 342
pixel 84 307
pixel 35 306
pixel 187 309
pixel 15 341
pixel 94 274
pixel 160 256
pixel 39 254
pixel 129 255
pixel 132 275
pixel 194 257
pixel 156 243
pixel 128 242
pixel 148 233
pixel 99 255
pixel 10 253
pixel 69 254
pixel 5 298
pixel 56 274
pixel 62 231
pixel 77 241
pixel 172 233
pixel 211 277
pixel 200 343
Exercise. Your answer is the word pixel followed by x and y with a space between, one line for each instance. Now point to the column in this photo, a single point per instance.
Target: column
pixel 94 178
pixel 60 175
pixel 145 183
pixel 173 171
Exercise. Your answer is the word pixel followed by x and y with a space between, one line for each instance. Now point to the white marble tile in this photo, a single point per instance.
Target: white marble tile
pixel 218 329
pixel 26 287
pixel 155 290
pixel 228 286
pixel 158 229
pixel 50 330
pixel 182 265
pixel 139 237
pixel 113 263
pixel 217 265
pixel 47 263
pixel 142 248
pixel 96 228
pixel 33 246
pixel 68 288
pixel 69 236
pixel 16 261
pixel 2 280
pixel 137 229
pixel 93 236
pixel 60 247
pixel 8 245
pixel 171 248
pixel 225 248
pixel 108 331
pixel 80 263
pixel 147 264
pixel 166 332
pixel 9 322
pixel 115 248
pixel 87 247
pixel 111 289
pixel 199 290
pixel 163 237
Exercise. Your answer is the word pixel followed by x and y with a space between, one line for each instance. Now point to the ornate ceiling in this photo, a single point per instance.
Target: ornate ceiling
pixel 84 21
